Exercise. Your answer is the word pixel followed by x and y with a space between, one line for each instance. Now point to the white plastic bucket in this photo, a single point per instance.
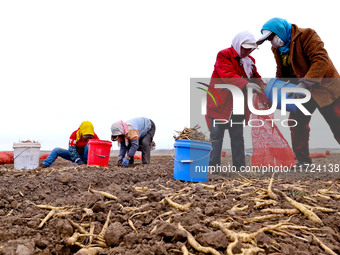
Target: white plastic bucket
pixel 26 155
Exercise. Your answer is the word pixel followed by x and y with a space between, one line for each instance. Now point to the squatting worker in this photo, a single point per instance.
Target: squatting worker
pixel 132 135
pixel 300 54
pixel 78 146
pixel 233 66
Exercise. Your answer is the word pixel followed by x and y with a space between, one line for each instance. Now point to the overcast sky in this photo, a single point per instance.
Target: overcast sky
pixel 64 62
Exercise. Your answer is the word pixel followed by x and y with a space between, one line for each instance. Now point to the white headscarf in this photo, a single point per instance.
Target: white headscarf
pixel 239 39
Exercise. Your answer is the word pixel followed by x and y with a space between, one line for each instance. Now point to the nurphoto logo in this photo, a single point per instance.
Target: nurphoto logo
pixel 238 104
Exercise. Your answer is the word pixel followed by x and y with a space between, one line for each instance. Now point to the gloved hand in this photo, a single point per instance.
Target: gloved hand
pixel 120 160
pixel 254 87
pixel 126 162
pixel 79 161
pixel 302 85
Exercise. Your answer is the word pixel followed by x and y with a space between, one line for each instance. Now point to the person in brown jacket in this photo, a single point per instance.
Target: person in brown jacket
pixel 300 54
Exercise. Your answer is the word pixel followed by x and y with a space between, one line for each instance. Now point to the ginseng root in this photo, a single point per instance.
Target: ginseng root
pixel 102 233
pixel 281 211
pixel 183 208
pixel 271 194
pixel 132 226
pixel 192 241
pixel 302 208
pixel 48 216
pixel 89 251
pixel 323 246
pixel 73 239
pixel 105 194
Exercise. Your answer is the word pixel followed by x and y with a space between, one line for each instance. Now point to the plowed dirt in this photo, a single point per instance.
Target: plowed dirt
pixel 142 221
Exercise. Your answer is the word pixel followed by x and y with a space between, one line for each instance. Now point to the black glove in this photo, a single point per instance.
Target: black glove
pixel 79 161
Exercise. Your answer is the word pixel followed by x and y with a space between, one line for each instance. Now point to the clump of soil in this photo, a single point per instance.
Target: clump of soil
pixel 191 134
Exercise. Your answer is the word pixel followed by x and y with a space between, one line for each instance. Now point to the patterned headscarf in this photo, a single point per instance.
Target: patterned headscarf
pixel 119 128
pixel 124 128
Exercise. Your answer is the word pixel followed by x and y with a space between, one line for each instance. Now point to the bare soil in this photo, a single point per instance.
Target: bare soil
pixel 142 220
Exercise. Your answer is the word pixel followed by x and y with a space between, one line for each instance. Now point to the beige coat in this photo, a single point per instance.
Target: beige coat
pixel 310 60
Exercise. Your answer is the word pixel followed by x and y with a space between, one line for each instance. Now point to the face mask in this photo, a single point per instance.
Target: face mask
pixel 277 42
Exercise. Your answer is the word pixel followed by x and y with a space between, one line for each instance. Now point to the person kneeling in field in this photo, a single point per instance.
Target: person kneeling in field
pixel 132 135
pixel 78 146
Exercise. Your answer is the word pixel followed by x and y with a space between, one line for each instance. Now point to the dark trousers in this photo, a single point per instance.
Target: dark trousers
pixel 236 140
pixel 300 133
pixel 145 144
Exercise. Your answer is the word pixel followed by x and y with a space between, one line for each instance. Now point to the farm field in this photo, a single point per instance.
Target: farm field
pixel 63 210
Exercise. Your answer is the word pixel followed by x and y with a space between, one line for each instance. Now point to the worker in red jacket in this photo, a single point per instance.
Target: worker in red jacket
pixel 233 66
pixel 78 146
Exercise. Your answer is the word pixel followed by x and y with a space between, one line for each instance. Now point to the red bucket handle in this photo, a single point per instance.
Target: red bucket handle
pixel 101 156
